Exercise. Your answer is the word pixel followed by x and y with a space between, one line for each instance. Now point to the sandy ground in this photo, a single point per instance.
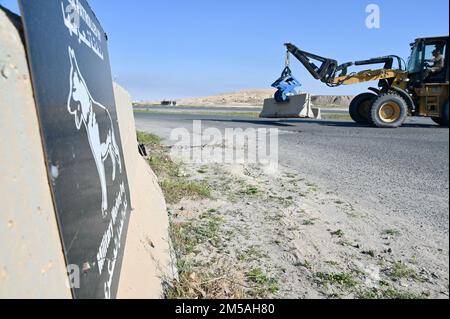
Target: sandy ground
pixel 306 242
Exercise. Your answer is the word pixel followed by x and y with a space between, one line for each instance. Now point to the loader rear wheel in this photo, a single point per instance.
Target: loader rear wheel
pixel 389 111
pixel 360 108
pixel 443 120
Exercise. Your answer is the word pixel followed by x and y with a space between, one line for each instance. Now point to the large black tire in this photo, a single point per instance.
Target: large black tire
pixel 279 97
pixel 443 120
pixel 445 115
pixel 360 107
pixel 437 120
pixel 389 111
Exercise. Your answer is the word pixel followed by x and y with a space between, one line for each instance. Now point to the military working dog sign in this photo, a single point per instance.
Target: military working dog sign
pixel 68 55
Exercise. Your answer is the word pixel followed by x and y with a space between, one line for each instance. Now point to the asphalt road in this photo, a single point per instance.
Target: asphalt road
pixel 221 109
pixel 402 172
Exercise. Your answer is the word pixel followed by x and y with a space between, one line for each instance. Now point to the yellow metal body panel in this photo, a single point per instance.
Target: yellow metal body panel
pixel 432 97
pixel 371 75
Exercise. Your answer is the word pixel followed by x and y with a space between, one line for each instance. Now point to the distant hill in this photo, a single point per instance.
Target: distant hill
pixel 252 98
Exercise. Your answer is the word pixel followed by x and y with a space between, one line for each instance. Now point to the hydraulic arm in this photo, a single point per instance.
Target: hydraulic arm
pixel 333 74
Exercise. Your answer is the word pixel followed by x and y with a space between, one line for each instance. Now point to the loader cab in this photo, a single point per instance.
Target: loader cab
pixel 420 61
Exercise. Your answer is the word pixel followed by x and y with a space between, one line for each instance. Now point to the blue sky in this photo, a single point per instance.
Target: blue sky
pixel 182 48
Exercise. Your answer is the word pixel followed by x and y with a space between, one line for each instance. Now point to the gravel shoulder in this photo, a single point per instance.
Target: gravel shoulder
pixel 307 241
pixel 278 234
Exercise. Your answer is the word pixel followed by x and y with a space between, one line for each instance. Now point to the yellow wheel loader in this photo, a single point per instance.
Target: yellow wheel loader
pixel 417 88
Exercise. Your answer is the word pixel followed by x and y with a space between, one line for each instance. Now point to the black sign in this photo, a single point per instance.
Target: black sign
pixel 68 55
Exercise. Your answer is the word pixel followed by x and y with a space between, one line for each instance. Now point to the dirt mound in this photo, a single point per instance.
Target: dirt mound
pixel 241 98
pixel 332 100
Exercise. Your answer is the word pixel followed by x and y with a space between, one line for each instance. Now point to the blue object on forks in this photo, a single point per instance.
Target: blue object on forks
pixel 285 85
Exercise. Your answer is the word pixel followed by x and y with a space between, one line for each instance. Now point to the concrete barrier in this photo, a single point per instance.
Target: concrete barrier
pixel 147 253
pixel 298 106
pixel 317 113
pixel 32 263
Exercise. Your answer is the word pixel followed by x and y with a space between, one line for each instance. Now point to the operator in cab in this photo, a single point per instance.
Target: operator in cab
pixel 438 63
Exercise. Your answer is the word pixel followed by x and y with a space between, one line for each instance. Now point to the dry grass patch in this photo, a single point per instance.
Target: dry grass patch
pixel 174 185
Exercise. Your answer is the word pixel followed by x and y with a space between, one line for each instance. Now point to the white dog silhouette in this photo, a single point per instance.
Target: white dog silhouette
pixel 86 110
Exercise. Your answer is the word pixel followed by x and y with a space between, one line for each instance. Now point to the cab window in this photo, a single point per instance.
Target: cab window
pixel 415 60
pixel 435 64
pixel 429 49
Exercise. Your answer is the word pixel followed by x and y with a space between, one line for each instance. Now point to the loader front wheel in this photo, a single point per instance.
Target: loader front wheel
pixel 360 108
pixel 389 111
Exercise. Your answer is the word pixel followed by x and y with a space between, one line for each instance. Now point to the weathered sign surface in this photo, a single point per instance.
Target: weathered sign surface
pixel 68 55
